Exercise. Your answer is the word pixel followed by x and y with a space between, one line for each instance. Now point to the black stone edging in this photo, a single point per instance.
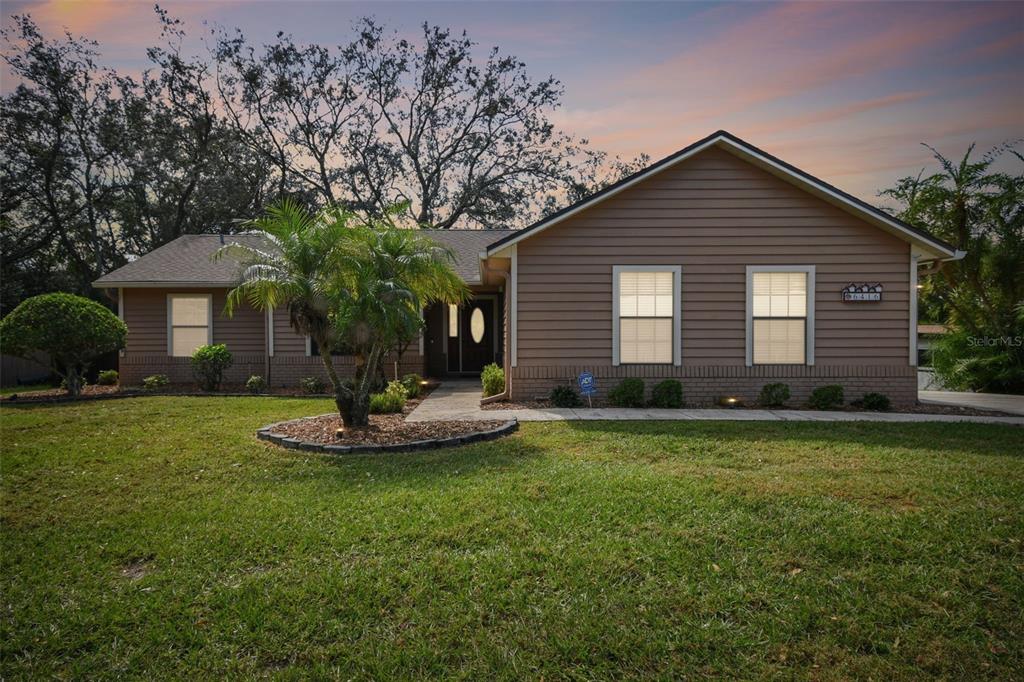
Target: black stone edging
pixel 267 434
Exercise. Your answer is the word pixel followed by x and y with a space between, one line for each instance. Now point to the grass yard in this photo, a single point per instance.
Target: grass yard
pixel 155 537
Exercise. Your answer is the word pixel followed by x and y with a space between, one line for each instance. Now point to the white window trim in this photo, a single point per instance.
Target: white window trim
pixel 120 313
pixel 677 295
pixel 514 313
pixel 270 331
pixel 170 319
pixel 809 325
pixel 913 309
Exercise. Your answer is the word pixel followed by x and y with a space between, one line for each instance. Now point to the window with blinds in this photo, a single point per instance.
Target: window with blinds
pixel 189 325
pixel 645 321
pixel 779 312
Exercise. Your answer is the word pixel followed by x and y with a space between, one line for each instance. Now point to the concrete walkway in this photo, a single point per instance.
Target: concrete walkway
pixel 460 400
pixel 1014 404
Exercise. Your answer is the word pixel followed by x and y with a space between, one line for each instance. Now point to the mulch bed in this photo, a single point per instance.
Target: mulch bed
pixel 52 393
pixel 93 392
pixel 384 429
pixel 918 408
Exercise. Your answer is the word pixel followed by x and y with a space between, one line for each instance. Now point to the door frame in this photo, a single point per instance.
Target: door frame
pixel 494 334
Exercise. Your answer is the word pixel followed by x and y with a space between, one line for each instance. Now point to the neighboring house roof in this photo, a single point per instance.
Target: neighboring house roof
pixel 932 329
pixel 188 260
pixel 729 142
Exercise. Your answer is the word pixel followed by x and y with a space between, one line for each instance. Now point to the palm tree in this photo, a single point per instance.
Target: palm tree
pixel 346 283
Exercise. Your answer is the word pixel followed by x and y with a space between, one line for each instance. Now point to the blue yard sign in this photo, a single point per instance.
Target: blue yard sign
pixel 588 386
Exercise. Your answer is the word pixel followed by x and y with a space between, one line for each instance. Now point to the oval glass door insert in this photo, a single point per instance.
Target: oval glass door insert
pixel 476 325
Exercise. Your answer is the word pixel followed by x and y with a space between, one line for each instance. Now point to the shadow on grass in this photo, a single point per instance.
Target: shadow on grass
pixel 505 454
pixel 951 438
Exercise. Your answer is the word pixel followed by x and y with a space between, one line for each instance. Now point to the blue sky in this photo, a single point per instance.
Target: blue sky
pixel 844 90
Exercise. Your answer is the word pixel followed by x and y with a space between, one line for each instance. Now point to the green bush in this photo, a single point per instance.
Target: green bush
pixel 667 394
pixel 413 385
pixel 71 330
pixel 107 377
pixel 155 381
pixel 774 395
pixel 256 384
pixel 313 385
pixel 826 397
pixel 82 383
pixel 493 379
pixel 208 365
pixel 390 401
pixel 629 393
pixel 876 402
pixel 565 396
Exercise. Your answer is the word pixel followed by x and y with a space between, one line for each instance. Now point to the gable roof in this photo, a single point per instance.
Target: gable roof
pixel 926 243
pixel 188 260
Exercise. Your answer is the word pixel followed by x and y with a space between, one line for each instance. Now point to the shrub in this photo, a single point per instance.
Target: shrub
pixel 391 400
pixel 72 330
pixel 82 383
pixel 413 385
pixel 629 393
pixel 256 384
pixel 667 394
pixel 774 395
pixel 565 396
pixel 876 402
pixel 826 397
pixel 208 365
pixel 107 377
pixel 493 379
pixel 155 381
pixel 313 385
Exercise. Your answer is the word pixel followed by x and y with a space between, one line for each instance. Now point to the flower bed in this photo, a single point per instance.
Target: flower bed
pixel 386 432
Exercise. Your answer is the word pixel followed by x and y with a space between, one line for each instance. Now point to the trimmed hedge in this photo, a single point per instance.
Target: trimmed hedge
pixel 667 394
pixel 774 395
pixel 826 397
pixel 629 393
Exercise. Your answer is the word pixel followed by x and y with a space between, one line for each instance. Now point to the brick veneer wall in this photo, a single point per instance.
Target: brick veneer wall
pixel 704 385
pixel 285 370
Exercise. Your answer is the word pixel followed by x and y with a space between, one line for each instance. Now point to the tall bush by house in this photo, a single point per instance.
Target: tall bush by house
pixel 667 394
pixel 73 331
pixel 209 364
pixel 493 379
pixel 629 393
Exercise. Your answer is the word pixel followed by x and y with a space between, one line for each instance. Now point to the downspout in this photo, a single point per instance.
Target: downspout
pixel 507 354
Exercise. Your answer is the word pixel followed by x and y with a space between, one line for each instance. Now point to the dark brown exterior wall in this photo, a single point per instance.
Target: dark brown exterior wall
pixel 713 215
pixel 145 313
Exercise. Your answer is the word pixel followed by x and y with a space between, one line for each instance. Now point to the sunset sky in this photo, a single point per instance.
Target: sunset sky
pixel 846 91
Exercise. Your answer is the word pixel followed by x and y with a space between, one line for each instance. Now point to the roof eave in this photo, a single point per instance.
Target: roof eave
pixel 135 284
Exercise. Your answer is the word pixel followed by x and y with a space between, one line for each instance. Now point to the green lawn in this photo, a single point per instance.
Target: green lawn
pixel 156 537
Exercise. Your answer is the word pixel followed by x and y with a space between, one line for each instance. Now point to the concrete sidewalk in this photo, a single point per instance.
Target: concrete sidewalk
pixel 1014 404
pixel 460 400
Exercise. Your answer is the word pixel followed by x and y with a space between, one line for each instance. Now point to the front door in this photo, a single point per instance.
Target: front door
pixel 471 336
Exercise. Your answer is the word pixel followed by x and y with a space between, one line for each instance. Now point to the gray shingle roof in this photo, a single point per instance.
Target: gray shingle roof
pixel 467 245
pixel 188 260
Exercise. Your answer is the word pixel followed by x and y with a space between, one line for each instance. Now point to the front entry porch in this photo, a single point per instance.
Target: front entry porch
pixel 460 340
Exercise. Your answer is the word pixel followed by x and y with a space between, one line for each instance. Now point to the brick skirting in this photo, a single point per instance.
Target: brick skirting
pixel 286 371
pixel 704 385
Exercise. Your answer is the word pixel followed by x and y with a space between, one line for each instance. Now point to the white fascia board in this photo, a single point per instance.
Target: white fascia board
pixel 99 284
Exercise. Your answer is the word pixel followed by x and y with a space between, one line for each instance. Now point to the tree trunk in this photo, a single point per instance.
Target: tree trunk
pixel 73 381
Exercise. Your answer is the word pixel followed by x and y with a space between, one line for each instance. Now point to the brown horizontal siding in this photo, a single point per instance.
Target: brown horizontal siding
pixel 714 215
pixel 145 313
pixel 286 340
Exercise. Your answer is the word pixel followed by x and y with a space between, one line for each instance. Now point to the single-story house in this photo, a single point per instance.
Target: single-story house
pixel 720 265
